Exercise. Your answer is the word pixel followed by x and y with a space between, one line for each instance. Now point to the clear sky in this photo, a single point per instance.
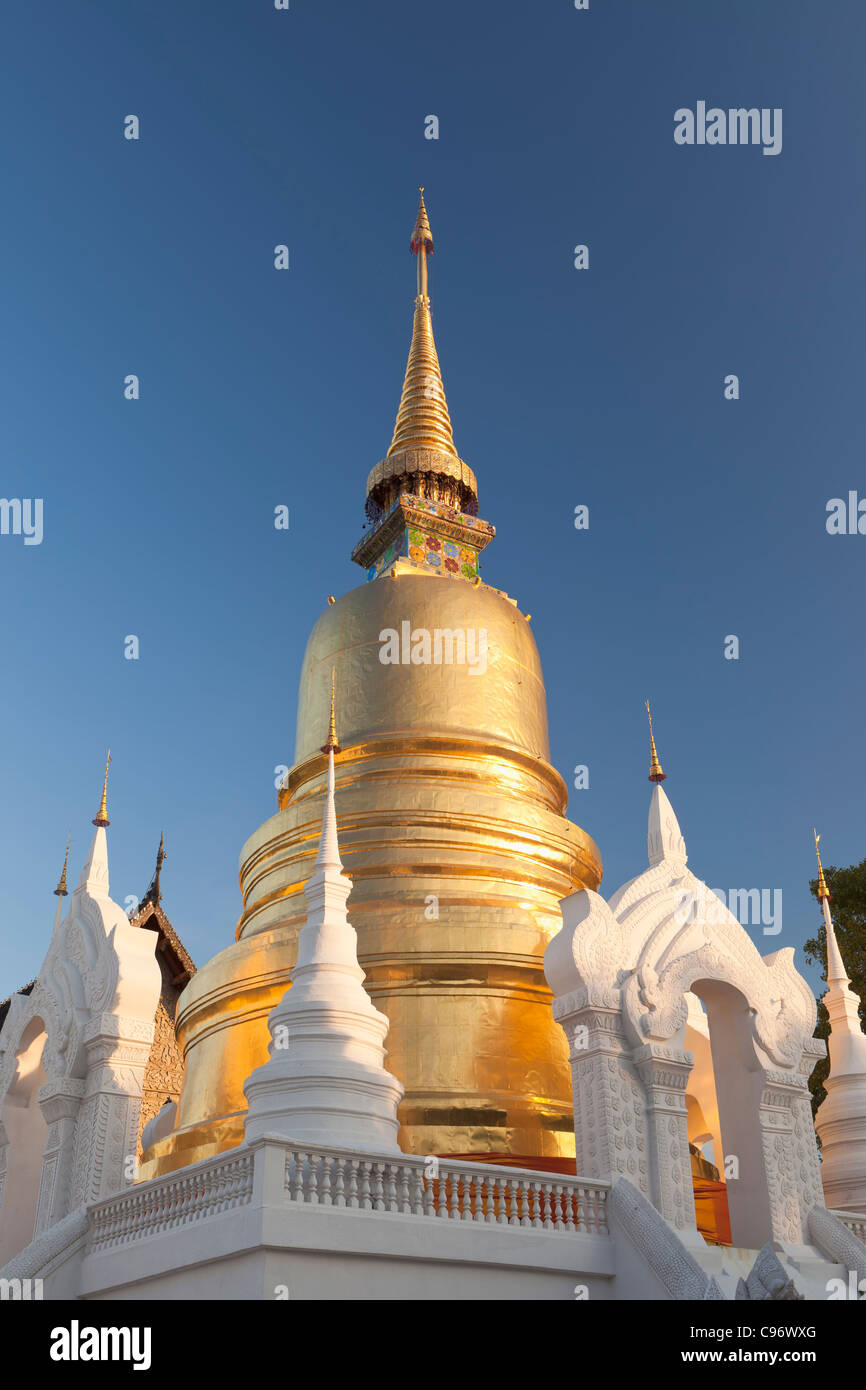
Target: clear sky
pixel 601 387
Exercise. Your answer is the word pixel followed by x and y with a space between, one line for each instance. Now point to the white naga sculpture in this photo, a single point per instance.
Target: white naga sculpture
pixel 72 1058
pixel 625 973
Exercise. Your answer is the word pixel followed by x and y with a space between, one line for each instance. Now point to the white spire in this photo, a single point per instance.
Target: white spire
pixel 841 1118
pixel 94 875
pixel 329 846
pixel 664 837
pixel 843 1007
pixel 836 974
pixel 325 1081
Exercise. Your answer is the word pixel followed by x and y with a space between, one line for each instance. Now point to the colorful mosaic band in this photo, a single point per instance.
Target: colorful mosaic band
pixel 429 534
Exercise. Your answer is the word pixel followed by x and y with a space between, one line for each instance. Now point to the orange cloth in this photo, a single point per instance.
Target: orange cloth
pixel 711 1211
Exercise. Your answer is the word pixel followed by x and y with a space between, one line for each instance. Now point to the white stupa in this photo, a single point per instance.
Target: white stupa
pixel 325 1081
pixel 841 1119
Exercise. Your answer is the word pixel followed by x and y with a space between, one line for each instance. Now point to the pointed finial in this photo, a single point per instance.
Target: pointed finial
pixel 422 457
pixel 823 892
pixel 160 860
pixel 61 891
pixel 332 744
pixel 837 977
pixel 421 235
pixel 655 772
pixel 101 817
pixel 154 891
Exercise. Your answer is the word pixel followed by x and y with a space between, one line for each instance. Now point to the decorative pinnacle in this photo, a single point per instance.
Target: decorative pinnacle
pixel 420 245
pixel 421 236
pixel 422 454
pixel 422 420
pixel 61 891
pixel 101 817
pixel 655 772
pixel 823 891
pixel 160 860
pixel 332 745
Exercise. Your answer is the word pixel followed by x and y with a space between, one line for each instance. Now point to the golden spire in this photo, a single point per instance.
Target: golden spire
pixel 823 891
pixel 655 772
pixel 422 419
pixel 332 728
pixel 101 817
pixel 422 241
pixel 422 457
pixel 61 890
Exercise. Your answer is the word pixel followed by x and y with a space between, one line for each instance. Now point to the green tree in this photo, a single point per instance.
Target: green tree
pixel 848 907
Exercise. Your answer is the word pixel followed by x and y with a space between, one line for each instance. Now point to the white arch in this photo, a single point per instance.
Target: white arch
pixel 25 1130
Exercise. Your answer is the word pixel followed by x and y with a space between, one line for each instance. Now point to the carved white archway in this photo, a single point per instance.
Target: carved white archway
pixel 621 973
pixel 93 1007
pixel 23 1130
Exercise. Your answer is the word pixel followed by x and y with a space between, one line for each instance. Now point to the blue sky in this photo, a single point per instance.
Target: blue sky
pixel 602 387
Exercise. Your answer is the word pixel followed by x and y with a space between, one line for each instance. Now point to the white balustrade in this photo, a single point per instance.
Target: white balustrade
pixel 192 1195
pixel 409 1186
pixel 487 1193
pixel 855 1221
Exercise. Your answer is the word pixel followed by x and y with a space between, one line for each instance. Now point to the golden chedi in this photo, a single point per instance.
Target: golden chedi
pixel 451 824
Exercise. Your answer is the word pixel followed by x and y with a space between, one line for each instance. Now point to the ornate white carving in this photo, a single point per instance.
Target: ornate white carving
pixel 664 837
pixel 36 1259
pixel 836 1241
pixel 768 1279
pixel 622 973
pixel 661 1249
pixel 96 994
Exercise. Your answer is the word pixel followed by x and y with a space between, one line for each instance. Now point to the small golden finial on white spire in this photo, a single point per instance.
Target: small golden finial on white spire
pixel 823 891
pixel 835 967
pixel 332 744
pixel 61 891
pixel 101 817
pixel 329 849
pixel 655 772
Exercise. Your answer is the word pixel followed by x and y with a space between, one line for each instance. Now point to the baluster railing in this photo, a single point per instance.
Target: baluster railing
pixel 353 1183
pixel 366 1197
pixel 397 1185
pixel 428 1197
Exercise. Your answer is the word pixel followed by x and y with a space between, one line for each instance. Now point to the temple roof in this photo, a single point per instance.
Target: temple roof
pixel 4 1006
pixel 151 916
